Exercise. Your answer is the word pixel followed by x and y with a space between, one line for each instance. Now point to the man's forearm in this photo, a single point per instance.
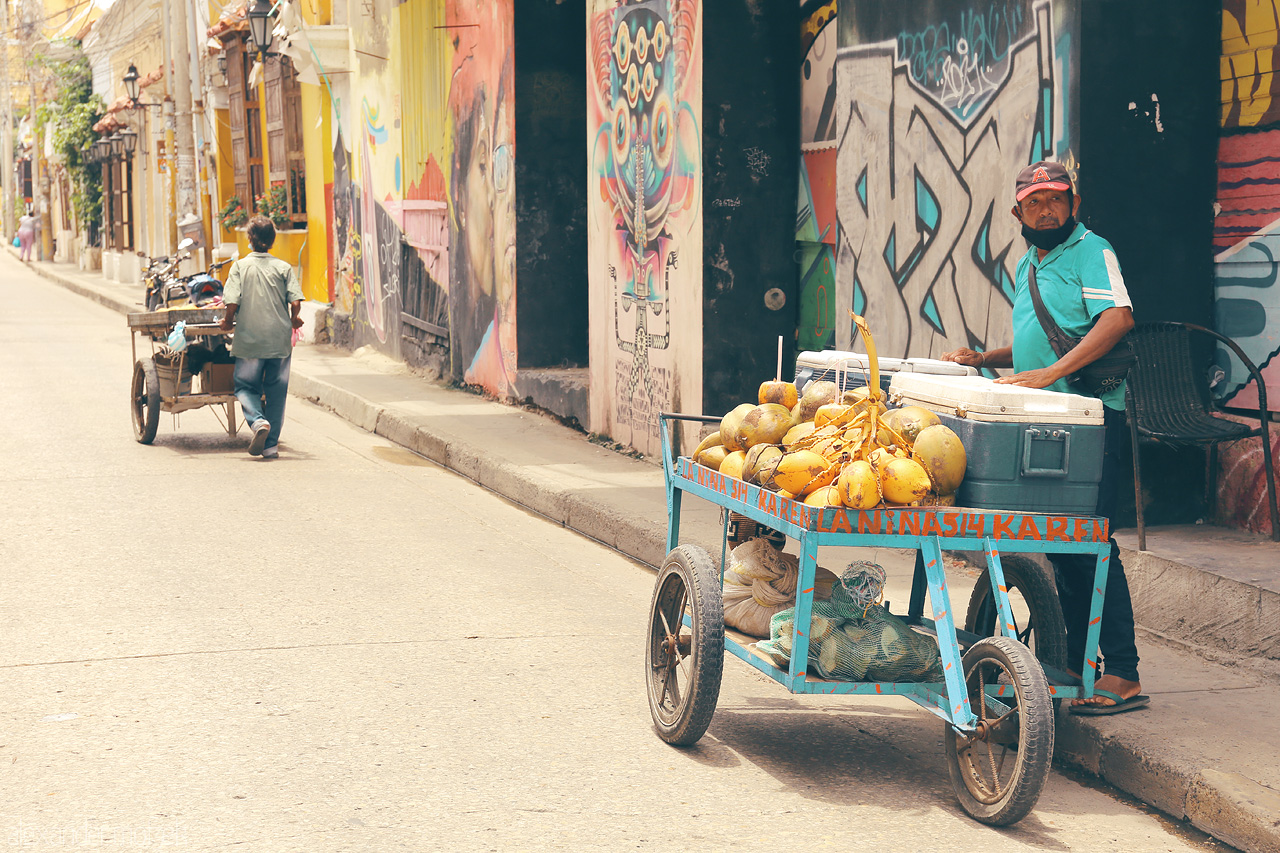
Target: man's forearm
pixel 1111 326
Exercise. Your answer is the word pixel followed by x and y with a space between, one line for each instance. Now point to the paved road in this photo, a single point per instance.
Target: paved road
pixel 348 649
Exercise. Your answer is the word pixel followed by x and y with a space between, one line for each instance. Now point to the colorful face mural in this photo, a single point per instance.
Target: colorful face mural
pixel 1247 294
pixel 482 193
pixel 935 116
pixel 645 78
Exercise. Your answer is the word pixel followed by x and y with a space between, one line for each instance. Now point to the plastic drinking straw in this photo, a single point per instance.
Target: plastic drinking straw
pixel 778 375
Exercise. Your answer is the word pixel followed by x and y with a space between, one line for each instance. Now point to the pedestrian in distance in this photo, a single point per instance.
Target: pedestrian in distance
pixel 1078 278
pixel 26 235
pixel 263 301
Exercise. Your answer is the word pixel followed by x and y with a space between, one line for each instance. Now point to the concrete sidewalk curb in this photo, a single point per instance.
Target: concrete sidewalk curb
pixel 1227 806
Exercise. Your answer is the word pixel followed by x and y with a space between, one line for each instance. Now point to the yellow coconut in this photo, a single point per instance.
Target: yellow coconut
pixel 783 493
pixel 797 469
pixel 757 458
pixel 860 397
pixel 710 441
pixel 857 485
pixel 782 393
pixel 732 464
pixel 712 457
pixel 939 450
pixel 798 432
pixel 824 496
pixel 816 395
pixel 909 420
pixel 837 413
pixel 933 499
pixel 729 426
pixel 903 482
pixel 879 457
pixel 765 424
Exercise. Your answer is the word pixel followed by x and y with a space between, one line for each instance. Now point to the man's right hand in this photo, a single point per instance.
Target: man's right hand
pixel 964 356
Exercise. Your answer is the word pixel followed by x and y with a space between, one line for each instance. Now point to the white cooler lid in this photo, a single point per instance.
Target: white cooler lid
pixel 851 361
pixel 940 367
pixel 980 399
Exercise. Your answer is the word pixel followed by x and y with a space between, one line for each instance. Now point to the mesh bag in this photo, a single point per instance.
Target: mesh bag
pixel 761 581
pixel 853 640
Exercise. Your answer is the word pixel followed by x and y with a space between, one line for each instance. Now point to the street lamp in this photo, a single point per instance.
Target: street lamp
pixel 117 144
pixel 132 88
pixel 260 22
pixel 102 148
pixel 129 141
pixel 222 64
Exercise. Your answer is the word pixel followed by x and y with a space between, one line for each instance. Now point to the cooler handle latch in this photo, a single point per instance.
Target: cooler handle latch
pixel 1037 434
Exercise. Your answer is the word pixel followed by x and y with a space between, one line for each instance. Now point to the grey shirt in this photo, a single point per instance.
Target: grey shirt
pixel 262 286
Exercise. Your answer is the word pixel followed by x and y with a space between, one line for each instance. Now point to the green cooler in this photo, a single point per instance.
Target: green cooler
pixel 1028 449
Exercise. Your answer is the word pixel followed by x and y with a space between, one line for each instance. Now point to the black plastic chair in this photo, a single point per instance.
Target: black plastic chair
pixel 1168 401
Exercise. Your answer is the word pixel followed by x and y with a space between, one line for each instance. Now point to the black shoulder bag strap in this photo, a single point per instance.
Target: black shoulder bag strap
pixel 1061 342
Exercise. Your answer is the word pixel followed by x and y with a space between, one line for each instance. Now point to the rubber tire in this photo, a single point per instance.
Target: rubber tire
pixel 1034 755
pixel 144 401
pixel 1049 640
pixel 686 568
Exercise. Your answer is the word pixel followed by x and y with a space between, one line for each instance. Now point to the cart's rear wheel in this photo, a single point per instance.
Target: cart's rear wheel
pixel 144 400
pixel 1000 770
pixel 1037 615
pixel 683 661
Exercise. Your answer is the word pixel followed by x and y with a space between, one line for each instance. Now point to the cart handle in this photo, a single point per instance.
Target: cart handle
pixel 663 417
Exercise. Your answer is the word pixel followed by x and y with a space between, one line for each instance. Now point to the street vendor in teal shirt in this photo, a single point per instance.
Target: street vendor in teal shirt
pixel 263 301
pixel 1079 280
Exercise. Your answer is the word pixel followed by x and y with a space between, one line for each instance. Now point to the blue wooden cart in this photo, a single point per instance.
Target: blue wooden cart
pixel 1000 746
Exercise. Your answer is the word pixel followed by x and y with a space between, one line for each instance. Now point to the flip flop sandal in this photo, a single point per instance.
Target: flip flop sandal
pixel 1120 706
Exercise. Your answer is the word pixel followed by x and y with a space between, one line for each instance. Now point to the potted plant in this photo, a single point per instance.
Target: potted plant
pixel 233 213
pixel 274 204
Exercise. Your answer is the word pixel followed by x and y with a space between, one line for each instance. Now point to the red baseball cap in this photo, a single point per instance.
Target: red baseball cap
pixel 1042 175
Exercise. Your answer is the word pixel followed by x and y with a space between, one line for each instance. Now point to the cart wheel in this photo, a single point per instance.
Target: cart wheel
pixel 144 400
pixel 684 663
pixel 999 772
pixel 1037 615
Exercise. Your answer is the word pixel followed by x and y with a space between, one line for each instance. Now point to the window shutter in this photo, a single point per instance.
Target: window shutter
pixel 235 104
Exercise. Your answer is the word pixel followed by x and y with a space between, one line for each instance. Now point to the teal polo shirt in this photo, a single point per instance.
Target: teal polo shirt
pixel 1078 280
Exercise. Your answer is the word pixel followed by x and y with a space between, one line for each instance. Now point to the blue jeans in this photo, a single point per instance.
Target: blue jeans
pixel 262 386
pixel 1074 575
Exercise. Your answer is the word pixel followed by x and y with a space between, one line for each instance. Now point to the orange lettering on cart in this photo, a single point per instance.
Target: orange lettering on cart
pixel 865 523
pixel 1028 529
pixel 1100 530
pixel 1002 527
pixel 1058 528
pixel 910 522
pixel 931 526
pixel 1081 531
pixel 951 520
pixel 841 522
pixel 973 524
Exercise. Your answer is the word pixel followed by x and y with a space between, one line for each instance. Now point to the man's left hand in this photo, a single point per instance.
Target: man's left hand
pixel 1041 378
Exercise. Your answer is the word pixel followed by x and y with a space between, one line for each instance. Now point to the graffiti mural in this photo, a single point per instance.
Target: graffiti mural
pixel 1247 268
pixel 644 70
pixel 816 231
pixel 934 118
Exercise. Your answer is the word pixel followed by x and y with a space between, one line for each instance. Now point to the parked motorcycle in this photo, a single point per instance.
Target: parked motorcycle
pixel 163 287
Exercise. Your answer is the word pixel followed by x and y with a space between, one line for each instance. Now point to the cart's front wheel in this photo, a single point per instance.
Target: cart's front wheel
pixel 684 652
pixel 999 771
pixel 144 400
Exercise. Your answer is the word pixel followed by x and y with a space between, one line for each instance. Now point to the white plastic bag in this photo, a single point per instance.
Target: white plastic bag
pixel 761 581
pixel 178 337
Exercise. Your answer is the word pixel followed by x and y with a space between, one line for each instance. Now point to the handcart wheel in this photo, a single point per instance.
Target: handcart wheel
pixel 144 400
pixel 684 662
pixel 1037 615
pixel 1000 770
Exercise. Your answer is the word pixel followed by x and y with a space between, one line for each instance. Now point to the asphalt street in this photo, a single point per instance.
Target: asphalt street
pixel 351 649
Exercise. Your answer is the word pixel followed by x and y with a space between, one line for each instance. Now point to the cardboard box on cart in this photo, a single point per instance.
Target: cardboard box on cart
pixel 1028 449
